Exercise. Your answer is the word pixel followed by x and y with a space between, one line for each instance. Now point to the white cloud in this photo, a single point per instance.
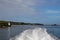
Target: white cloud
pixel 10 9
pixel 52 11
pixel 21 6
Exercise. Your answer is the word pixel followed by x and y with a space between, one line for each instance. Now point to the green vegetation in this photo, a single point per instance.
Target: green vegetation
pixel 4 24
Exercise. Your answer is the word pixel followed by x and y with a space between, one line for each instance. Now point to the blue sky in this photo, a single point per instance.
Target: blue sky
pixel 33 11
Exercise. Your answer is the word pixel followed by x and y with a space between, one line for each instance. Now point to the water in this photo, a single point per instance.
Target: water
pixel 35 34
pixel 16 30
pixel 4 34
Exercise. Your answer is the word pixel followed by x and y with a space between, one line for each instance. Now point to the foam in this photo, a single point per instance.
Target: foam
pixel 35 34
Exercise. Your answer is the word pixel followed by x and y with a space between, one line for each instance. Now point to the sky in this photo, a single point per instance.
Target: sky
pixel 33 11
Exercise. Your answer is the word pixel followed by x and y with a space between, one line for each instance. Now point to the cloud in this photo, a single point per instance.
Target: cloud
pixel 25 6
pixel 12 8
pixel 52 11
pixel 25 9
pixel 53 2
pixel 21 6
pixel 9 9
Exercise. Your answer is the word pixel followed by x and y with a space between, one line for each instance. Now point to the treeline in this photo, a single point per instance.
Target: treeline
pixel 5 23
pixel 22 23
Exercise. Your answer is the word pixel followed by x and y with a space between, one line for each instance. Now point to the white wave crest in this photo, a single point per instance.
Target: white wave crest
pixel 35 34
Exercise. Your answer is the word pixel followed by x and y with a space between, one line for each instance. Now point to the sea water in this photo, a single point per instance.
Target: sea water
pixel 35 34
pixel 4 34
pixel 17 31
pixel 20 32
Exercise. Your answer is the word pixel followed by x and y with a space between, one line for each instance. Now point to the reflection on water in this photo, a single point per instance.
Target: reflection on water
pixel 16 30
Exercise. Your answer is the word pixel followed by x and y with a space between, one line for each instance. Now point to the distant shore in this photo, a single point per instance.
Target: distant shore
pixel 9 23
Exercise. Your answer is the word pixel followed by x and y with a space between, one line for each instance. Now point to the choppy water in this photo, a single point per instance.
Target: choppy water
pixel 6 34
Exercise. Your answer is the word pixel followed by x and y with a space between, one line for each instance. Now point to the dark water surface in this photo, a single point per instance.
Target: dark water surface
pixel 6 33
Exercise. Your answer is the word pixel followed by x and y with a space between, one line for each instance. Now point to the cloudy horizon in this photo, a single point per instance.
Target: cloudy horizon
pixel 35 11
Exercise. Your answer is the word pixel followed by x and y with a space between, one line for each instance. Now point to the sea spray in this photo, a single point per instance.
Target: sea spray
pixel 35 34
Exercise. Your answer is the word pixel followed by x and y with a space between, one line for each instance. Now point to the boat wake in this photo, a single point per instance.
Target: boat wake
pixel 35 34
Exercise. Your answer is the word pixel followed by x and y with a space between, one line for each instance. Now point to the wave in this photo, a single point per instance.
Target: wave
pixel 35 34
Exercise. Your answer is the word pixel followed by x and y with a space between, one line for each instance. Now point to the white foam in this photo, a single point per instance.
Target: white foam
pixel 35 34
